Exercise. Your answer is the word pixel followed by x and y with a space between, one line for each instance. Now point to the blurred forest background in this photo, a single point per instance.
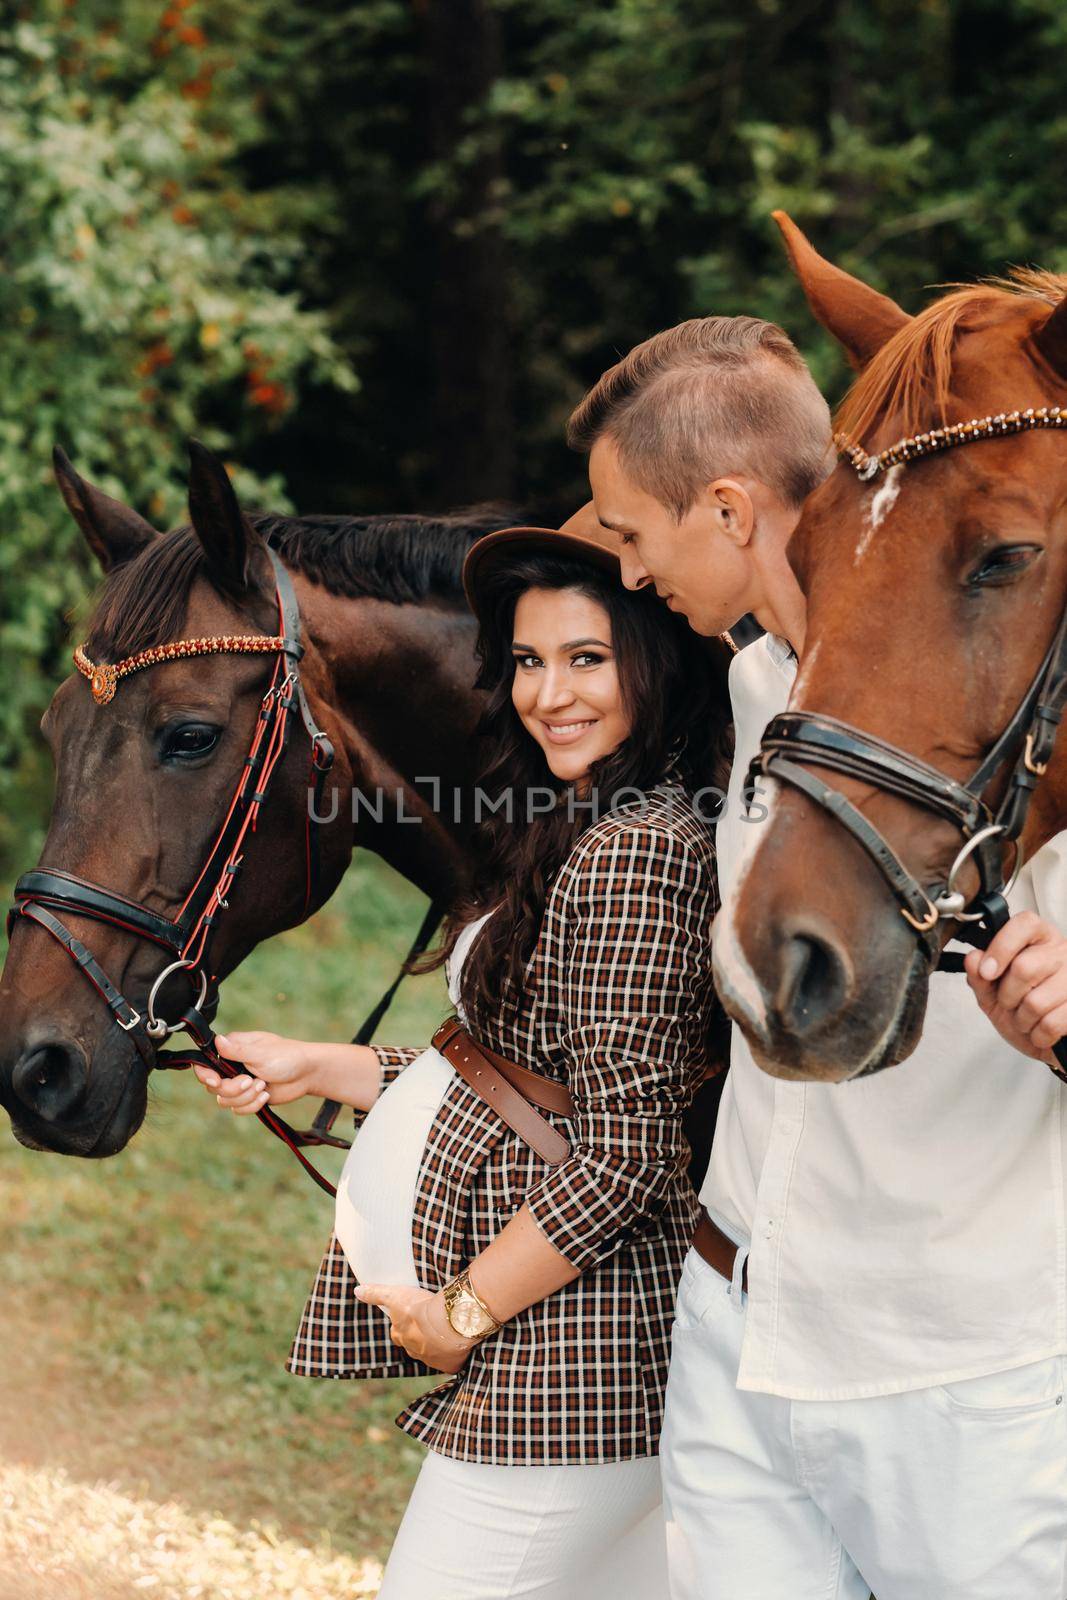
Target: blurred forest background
pixel 374 252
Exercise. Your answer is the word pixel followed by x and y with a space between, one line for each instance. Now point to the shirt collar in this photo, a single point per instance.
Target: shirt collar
pixel 780 650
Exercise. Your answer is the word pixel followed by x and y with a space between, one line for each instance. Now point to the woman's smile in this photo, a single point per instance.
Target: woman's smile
pixel 568 732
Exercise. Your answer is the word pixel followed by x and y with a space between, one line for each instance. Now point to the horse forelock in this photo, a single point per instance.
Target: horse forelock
pixel 144 601
pixel 404 559
pixel 911 376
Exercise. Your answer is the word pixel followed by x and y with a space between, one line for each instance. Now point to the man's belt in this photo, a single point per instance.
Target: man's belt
pixel 718 1250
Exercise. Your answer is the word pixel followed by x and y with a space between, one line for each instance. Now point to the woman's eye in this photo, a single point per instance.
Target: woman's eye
pixel 1002 565
pixel 189 741
pixel 587 658
pixel 526 661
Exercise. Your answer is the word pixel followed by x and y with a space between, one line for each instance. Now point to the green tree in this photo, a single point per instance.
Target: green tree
pixel 146 293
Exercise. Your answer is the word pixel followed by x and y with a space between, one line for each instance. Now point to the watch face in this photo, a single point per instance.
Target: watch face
pixel 467 1317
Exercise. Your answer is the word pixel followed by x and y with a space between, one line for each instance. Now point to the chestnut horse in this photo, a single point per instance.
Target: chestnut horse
pixel 936 582
pixel 143 780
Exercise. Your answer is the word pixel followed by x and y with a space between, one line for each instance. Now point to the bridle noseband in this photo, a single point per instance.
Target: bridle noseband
pixel 1027 742
pixel 187 936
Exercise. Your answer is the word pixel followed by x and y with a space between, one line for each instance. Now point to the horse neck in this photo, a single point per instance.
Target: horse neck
pixel 399 682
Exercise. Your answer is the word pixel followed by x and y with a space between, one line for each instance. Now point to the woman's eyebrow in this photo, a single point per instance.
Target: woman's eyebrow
pixel 528 649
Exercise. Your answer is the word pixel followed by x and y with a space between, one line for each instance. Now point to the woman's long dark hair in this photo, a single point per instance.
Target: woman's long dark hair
pixel 673 689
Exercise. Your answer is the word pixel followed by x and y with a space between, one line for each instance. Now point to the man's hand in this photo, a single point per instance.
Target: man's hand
pixel 1020 982
pixel 420 1324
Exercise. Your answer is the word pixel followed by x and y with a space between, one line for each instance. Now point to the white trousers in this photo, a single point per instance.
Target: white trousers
pixel 473 1532
pixel 952 1493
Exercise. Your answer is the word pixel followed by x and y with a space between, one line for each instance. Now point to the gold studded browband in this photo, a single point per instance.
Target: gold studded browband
pixel 104 676
pixel 957 433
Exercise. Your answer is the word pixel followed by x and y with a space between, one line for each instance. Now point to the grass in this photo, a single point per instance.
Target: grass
pixel 149 1300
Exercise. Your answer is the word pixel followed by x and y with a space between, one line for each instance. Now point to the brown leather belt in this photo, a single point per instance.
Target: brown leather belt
pixel 513 1091
pixel 718 1250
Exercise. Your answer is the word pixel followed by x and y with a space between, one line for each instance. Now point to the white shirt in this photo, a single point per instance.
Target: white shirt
pixel 376 1190
pixel 906 1229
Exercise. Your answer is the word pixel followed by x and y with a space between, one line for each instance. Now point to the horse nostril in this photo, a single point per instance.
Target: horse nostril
pixel 813 983
pixel 51 1079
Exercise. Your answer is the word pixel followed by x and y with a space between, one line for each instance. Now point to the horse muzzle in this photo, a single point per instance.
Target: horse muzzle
pixel 52 1099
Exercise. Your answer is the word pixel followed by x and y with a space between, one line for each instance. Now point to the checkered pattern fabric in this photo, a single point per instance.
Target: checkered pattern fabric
pixel 616 1004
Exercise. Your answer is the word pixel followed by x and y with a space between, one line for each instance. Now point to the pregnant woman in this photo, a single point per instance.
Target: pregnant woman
pixel 543 1279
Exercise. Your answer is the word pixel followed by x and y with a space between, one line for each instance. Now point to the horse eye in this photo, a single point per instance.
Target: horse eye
pixel 191 740
pixel 1002 565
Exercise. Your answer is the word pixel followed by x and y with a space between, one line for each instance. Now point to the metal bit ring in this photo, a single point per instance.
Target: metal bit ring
pixel 156 1027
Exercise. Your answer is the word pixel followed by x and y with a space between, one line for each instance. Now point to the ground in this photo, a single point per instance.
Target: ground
pixel 148 1305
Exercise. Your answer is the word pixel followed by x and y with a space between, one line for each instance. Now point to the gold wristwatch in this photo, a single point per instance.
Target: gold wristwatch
pixel 468 1315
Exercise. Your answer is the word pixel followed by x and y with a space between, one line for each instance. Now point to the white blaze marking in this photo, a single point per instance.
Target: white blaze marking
pixel 882 502
pixel 730 965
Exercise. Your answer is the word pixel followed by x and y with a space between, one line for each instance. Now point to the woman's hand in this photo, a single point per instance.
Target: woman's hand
pixel 420 1324
pixel 281 1070
pixel 1020 982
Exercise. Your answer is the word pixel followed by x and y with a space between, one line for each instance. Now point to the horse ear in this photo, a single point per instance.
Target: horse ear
pixel 1051 338
pixel 114 532
pixel 219 523
pixel 858 316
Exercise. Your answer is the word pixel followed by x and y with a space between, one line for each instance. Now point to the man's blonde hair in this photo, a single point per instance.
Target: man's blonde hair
pixel 709 397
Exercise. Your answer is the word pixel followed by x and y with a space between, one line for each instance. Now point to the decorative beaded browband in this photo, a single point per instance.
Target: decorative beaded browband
pixel 957 433
pixel 104 676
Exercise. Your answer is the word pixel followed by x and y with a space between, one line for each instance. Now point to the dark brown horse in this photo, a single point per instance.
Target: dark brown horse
pixel 143 779
pixel 934 589
pixel 142 782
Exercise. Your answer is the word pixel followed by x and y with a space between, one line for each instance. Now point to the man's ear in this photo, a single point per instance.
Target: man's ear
pixel 730 503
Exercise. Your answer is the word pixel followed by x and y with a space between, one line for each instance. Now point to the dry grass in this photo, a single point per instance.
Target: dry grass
pixel 60 1540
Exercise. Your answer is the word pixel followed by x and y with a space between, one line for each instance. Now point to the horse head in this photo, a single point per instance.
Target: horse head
pixel 146 768
pixel 936 581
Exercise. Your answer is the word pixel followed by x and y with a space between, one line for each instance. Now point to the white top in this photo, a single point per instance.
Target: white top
pixel 906 1229
pixel 377 1186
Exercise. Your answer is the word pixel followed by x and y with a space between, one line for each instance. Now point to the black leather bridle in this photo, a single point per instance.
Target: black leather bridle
pixel 1027 742
pixel 186 938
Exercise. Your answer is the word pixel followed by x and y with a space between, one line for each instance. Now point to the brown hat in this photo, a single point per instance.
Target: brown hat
pixel 495 550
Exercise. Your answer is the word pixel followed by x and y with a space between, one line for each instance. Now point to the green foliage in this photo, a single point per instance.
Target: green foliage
pixel 648 141
pixel 146 294
pixel 212 214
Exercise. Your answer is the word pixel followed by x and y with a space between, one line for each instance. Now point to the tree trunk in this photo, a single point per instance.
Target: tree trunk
pixel 470 335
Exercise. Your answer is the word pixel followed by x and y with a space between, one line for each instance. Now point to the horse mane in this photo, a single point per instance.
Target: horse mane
pixel 405 559
pixel 911 375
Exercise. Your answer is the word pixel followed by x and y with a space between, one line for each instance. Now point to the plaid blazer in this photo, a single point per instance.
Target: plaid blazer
pixel 616 1003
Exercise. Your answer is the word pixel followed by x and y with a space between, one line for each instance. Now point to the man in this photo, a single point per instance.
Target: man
pixel 883 1408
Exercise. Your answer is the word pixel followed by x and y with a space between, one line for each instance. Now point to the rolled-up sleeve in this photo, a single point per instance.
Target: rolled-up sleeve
pixel 635 960
pixel 392 1059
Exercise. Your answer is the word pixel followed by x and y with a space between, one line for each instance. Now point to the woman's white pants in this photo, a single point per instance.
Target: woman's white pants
pixel 474 1532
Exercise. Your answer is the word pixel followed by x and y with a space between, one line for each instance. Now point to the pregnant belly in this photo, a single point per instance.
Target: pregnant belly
pixel 376 1191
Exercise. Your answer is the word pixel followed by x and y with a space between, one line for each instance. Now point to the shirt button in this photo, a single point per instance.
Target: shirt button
pixel 768 1228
